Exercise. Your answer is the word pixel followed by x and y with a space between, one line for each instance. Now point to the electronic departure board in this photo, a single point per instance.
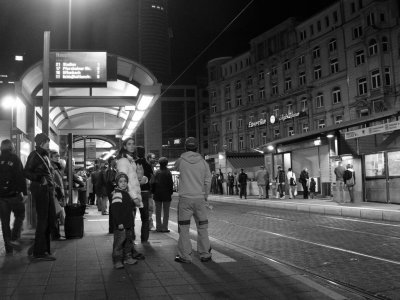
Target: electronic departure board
pixel 78 68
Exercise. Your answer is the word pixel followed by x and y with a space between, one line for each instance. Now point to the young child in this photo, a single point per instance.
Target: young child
pixel 122 207
pixel 312 187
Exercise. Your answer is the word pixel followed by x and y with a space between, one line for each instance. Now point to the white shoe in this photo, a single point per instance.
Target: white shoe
pixel 118 265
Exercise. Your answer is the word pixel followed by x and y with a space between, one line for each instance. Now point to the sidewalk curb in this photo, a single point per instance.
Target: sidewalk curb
pixel 327 208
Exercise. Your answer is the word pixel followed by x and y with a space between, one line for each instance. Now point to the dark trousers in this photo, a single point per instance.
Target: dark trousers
pixel 123 244
pixel 243 190
pixel 10 205
pixel 236 189
pixel 305 190
pixel 230 189
pixel 45 211
pixel 110 217
pixel 144 216
pixel 220 189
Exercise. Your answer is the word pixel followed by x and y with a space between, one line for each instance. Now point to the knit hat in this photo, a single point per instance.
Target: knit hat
pixel 119 175
pixel 191 143
pixel 41 138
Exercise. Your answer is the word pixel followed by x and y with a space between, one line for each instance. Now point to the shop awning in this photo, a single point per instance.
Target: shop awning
pixel 245 161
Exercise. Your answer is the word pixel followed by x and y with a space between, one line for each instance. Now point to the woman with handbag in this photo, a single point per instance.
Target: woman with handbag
pixel 349 179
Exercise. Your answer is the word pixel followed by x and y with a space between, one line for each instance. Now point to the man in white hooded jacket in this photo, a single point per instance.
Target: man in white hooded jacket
pixel 194 184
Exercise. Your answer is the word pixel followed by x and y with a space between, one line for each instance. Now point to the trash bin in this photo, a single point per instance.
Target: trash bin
pixel 74 226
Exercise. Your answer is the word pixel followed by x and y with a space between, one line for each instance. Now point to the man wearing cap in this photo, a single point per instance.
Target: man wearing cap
pixel 194 184
pixel 38 170
pixel 260 177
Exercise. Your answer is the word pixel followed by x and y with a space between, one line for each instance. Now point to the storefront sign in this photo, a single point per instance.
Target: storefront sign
pixel 91 150
pixel 257 123
pixel 372 130
pixel 288 116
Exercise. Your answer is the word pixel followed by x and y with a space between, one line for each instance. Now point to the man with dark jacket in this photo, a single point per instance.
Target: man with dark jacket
pixel 38 171
pixel 144 167
pixel 58 174
pixel 110 175
pixel 13 194
pixel 242 179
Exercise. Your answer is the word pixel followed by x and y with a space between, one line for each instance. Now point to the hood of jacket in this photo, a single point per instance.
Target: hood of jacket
pixel 192 157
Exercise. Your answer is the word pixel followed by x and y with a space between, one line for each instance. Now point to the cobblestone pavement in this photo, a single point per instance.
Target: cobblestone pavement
pixel 354 251
pixel 84 270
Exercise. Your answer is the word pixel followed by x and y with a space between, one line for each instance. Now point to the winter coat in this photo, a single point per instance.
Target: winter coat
pixel 162 185
pixel 195 175
pixel 122 208
pixel 242 178
pixel 127 165
pixel 38 168
pixel 260 177
pixel 18 182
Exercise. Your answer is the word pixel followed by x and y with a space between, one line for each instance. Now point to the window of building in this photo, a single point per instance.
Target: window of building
pixel 327 21
pixel 372 47
pixel 360 4
pixel 316 53
pixel 304 127
pixel 317 72
pixel 227 90
pixel 371 19
pixel 364 112
pixel 252 141
pixel 303 104
pixel 303 35
pixel 302 78
pixel 334 65
pixel 238 85
pixel 230 144
pixel 387 77
pixel 251 118
pixel 261 75
pixel 319 100
pixel 385 44
pixel 213 94
pixel 335 17
pixel 250 97
pixel 276 110
pixel 276 133
pixel 289 107
pixel 274 88
pixel 215 147
pixel 362 86
pixel 264 138
pixel 319 26
pixel 288 83
pixel 301 60
pixel 375 79
pixel 274 71
pixel 353 7
pixel 359 57
pixel 357 32
pixel 382 17
pixel 332 45
pixel 290 131
pixel 241 143
pixel 338 119
pixel 336 96
pixel 228 104
pixel 240 123
pixel 261 93
pixel 215 127
pixel 286 65
pixel 213 108
pixel 311 29
pixel 229 125
pixel 321 123
pixel 249 80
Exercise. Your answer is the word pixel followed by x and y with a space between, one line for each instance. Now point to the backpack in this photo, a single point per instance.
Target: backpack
pixel 7 178
pixel 292 181
pixel 350 180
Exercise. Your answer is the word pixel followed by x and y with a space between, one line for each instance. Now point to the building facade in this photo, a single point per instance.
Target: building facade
pixel 303 92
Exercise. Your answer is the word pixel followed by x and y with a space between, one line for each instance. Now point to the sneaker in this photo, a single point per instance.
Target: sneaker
pixel 118 265
pixel 130 261
pixel 205 259
pixel 44 257
pixel 182 260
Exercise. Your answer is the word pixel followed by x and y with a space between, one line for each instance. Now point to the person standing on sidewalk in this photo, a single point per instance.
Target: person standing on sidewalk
pixel 38 171
pixel 194 185
pixel 304 178
pixel 13 194
pixel 260 178
pixel 280 181
pixel 291 178
pixel 111 184
pixel 339 171
pixel 235 183
pixel 152 161
pixel 349 178
pixel 162 187
pixel 230 182
pixel 242 179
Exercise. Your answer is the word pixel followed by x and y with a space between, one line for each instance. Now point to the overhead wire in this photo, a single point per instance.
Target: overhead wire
pixel 199 55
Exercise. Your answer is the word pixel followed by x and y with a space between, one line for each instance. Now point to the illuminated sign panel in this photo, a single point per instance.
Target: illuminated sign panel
pixel 78 68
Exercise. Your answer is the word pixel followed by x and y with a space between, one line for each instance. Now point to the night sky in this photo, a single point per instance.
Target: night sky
pixel 194 23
